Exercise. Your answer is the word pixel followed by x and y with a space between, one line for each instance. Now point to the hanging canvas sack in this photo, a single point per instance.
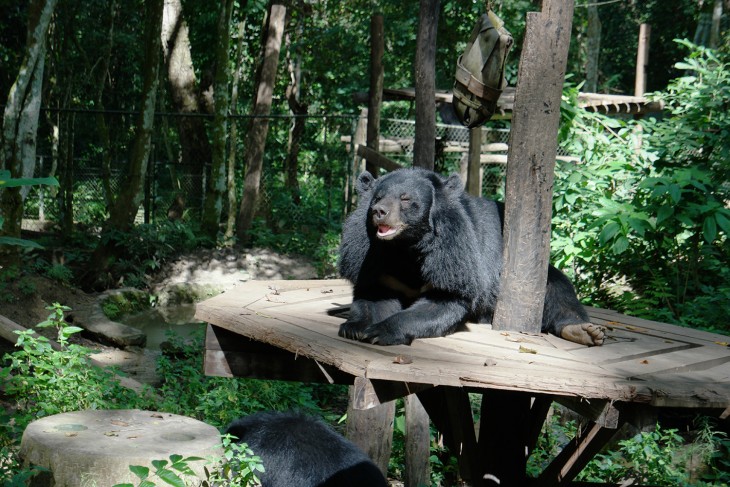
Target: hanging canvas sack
pixel 480 71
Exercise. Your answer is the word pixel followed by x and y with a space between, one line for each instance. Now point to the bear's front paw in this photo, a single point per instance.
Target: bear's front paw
pixel 374 334
pixel 584 333
pixel 352 330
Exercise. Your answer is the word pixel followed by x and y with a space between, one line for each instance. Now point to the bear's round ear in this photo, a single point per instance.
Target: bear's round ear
pixel 365 182
pixel 453 185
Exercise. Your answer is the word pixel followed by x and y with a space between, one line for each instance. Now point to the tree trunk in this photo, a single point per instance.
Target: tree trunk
pixel 195 150
pixel 375 94
pixel 299 110
pixel 20 119
pixel 530 168
pixel 217 181
pixel 424 145
pixel 233 137
pixel 125 207
pixel 593 48
pixel 256 140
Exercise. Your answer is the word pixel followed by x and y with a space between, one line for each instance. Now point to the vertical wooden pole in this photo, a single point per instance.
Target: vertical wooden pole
pixel 642 59
pixel 530 168
pixel 424 145
pixel 474 178
pixel 418 438
pixel 375 98
pixel 371 429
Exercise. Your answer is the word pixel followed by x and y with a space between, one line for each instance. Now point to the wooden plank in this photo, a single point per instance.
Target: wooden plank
pixel 639 365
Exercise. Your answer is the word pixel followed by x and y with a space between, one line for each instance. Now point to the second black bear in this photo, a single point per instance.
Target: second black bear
pixel 425 257
pixel 302 451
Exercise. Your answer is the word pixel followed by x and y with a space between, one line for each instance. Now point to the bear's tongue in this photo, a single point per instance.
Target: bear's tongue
pixel 385 230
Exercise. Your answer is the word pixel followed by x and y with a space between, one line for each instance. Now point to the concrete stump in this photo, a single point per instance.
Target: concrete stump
pixel 95 448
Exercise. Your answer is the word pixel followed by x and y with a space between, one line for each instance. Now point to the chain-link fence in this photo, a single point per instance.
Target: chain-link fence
pixel 317 194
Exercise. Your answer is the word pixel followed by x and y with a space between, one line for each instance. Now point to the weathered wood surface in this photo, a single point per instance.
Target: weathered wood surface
pixel 642 361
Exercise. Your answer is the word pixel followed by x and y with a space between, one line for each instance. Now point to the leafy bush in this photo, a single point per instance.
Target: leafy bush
pixel 641 220
pixel 648 457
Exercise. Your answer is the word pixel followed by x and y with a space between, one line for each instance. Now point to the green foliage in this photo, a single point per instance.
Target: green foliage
pixel 649 457
pixel 641 220
pixel 125 303
pixel 238 469
pixel 43 381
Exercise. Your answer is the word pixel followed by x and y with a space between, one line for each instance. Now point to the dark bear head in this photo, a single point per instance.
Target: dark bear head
pixel 402 202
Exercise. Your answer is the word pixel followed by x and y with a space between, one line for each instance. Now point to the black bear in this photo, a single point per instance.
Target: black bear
pixel 425 257
pixel 299 450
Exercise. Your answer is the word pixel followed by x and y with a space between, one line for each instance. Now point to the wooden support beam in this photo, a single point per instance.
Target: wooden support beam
pixel 575 456
pixel 474 173
pixel 424 147
pixel 372 430
pixel 377 159
pixel 530 167
pixel 601 412
pixel 418 441
pixel 450 412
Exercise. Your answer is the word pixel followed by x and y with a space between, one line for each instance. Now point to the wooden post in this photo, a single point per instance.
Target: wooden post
pixel 375 98
pixel 418 438
pixel 642 59
pixel 424 144
pixel 474 168
pixel 530 167
pixel 371 429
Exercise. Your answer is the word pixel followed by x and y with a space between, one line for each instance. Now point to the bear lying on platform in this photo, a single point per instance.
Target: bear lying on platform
pixel 425 257
pixel 299 450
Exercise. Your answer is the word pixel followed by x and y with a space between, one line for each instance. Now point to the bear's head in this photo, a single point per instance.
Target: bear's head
pixel 402 203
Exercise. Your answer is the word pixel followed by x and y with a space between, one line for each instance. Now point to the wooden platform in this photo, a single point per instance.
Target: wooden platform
pixel 290 330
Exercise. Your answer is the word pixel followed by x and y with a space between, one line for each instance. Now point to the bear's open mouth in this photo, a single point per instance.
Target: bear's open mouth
pixel 386 231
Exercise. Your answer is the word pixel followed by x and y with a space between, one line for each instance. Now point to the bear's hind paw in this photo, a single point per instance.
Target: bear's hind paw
pixel 584 333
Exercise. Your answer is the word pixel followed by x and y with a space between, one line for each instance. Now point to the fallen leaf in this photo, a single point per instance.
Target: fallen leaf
pixel 644 362
pixel 71 435
pixel 111 433
pixel 402 359
pixel 724 344
pixel 117 422
pixel 527 350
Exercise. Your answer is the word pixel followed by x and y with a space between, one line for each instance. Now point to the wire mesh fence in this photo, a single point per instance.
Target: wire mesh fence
pixel 318 194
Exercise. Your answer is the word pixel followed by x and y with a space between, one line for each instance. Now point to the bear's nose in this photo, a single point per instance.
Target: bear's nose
pixel 380 212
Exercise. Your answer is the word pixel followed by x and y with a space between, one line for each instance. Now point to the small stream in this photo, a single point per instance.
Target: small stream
pixel 157 322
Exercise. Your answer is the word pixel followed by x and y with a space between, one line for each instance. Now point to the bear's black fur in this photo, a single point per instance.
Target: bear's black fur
pixel 299 450
pixel 425 257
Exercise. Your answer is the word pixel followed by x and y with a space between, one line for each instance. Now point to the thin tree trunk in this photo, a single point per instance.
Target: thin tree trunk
pixel 20 119
pixel 424 145
pixel 127 203
pixel 217 181
pixel 299 110
pixel 593 48
pixel 256 140
pixel 194 145
pixel 233 137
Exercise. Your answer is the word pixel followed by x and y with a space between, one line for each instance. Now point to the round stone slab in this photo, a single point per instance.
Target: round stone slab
pixel 96 448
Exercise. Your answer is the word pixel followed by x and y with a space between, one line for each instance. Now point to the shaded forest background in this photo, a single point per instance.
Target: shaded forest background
pixel 172 124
